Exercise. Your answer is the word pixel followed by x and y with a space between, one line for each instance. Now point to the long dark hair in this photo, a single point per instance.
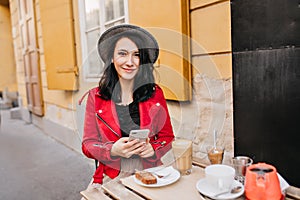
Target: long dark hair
pixel 144 83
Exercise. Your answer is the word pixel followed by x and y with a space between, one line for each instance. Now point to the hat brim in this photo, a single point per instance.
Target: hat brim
pixel 115 32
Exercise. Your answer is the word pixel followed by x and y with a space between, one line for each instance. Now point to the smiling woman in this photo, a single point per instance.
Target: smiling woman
pixel 127 99
pixel 126 59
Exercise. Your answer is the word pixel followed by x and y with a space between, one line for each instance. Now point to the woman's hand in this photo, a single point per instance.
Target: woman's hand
pixel 125 148
pixel 147 151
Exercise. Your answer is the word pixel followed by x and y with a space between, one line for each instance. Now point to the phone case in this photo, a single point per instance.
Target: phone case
pixel 141 134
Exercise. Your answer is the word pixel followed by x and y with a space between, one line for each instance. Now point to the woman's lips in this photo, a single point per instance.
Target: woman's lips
pixel 129 70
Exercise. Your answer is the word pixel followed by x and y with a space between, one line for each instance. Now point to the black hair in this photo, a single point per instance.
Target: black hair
pixel 144 83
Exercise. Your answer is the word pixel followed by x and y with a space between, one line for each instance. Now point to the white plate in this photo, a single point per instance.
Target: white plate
pixel 169 179
pixel 210 192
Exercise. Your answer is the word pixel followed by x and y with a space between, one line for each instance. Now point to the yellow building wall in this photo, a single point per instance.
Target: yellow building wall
pixel 211 38
pixel 7 65
pixel 170 27
pixel 211 57
pixel 194 4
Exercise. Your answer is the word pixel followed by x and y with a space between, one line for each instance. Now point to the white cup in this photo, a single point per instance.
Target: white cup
pixel 219 177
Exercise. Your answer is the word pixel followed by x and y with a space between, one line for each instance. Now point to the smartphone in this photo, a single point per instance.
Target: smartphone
pixel 141 134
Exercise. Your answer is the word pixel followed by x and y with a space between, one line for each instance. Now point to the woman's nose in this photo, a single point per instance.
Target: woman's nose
pixel 129 60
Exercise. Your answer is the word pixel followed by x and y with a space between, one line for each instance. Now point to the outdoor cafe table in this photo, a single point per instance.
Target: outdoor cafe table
pixel 126 188
pixel 184 188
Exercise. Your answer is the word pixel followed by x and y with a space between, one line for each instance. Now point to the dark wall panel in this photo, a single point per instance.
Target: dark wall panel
pixel 267 108
pixel 266 83
pixel 264 24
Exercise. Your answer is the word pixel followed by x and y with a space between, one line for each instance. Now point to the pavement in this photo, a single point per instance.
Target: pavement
pixel 34 166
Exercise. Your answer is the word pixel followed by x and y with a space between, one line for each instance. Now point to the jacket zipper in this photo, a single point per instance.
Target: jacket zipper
pixel 106 124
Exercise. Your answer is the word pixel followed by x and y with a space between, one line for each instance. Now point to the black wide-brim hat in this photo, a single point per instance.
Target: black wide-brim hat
pixel 118 31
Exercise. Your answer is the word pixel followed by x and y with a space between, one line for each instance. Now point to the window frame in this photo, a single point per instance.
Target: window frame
pixel 88 77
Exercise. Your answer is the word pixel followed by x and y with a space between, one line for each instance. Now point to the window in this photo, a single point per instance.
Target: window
pixel 96 16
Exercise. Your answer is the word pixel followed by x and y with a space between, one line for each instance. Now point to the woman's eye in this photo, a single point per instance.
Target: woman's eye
pixel 121 53
pixel 137 54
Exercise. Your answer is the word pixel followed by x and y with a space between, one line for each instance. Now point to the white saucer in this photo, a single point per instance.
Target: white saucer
pixel 210 192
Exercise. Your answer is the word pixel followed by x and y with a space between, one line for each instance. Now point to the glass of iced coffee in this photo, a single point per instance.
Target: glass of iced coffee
pixel 182 150
pixel 215 154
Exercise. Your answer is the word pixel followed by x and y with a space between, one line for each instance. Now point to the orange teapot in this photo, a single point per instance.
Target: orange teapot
pixel 262 183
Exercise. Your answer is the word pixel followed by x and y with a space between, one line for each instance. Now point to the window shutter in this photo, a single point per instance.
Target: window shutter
pixel 30 57
pixel 59 44
pixel 168 21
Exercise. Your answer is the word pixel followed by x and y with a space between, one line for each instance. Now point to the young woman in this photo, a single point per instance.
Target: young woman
pixel 126 99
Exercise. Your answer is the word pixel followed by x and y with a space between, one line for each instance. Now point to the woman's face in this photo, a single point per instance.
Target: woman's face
pixel 126 59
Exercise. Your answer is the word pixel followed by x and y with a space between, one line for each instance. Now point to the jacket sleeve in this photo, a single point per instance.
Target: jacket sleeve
pixel 162 128
pixel 94 143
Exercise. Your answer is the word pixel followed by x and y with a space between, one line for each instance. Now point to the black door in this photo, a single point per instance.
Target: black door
pixel 266 83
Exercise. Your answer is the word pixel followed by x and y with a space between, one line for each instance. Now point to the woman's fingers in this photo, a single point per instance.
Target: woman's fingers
pixel 147 151
pixel 128 148
pixel 125 148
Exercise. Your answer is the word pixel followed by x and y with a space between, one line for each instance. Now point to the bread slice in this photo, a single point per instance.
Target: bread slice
pixel 146 177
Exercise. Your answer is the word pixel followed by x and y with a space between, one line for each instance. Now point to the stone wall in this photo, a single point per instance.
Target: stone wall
pixel 211 109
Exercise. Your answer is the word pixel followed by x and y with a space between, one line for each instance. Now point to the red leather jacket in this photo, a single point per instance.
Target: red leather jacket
pixel 98 138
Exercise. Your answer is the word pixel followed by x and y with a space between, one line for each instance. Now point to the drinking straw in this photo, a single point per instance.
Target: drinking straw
pixel 215 138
